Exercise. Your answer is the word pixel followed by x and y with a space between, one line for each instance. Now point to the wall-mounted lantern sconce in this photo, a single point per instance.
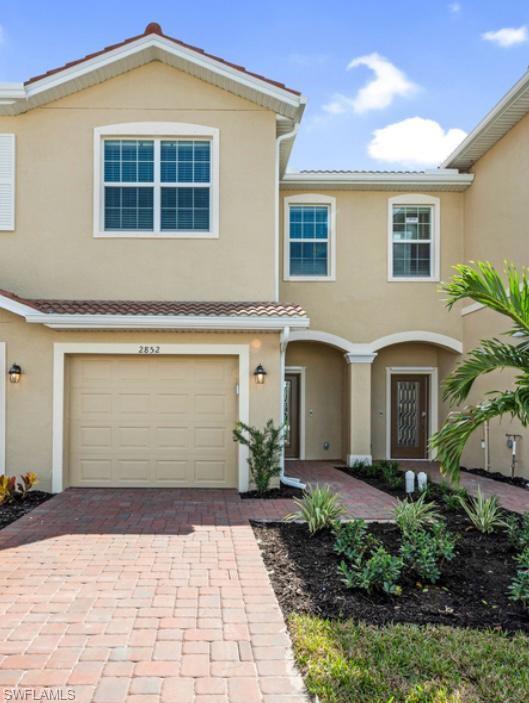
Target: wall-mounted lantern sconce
pixel 15 372
pixel 259 374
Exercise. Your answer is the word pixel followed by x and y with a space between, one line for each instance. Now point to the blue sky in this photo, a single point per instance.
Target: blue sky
pixel 441 65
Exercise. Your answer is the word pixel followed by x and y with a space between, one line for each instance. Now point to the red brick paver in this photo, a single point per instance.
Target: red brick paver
pixel 511 497
pixel 143 595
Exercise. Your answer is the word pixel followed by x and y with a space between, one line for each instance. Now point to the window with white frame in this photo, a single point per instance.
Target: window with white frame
pixel 309 250
pixel 156 179
pixel 414 237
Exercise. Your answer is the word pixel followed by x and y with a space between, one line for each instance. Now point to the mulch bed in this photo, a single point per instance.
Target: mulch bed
pixel 9 512
pixel 496 476
pixel 472 591
pixel 282 492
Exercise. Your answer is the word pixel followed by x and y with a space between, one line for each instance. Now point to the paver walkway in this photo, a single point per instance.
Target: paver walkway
pixel 141 595
pixel 511 497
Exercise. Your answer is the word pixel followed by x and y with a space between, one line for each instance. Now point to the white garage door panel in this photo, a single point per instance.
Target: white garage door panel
pixel 164 421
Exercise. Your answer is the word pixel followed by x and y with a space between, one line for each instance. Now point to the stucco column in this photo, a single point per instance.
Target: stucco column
pixel 359 416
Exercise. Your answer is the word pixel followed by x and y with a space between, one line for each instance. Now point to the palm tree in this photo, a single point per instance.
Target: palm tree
pixel 482 283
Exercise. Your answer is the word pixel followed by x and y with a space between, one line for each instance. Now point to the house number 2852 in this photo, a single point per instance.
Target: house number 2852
pixel 148 349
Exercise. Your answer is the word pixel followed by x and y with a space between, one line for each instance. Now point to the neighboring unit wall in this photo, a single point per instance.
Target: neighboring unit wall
pixel 480 325
pixel 53 252
pixel 361 304
pixel 325 399
pixel 30 402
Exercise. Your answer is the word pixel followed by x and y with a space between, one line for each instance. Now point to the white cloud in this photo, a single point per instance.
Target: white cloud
pixel 389 82
pixel 509 36
pixel 415 141
pixel 455 8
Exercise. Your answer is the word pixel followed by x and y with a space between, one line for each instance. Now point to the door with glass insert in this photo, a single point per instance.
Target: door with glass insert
pixel 409 416
pixel 292 437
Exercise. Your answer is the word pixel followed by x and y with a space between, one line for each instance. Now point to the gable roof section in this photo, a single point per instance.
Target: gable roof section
pixel 504 115
pixel 152 45
pixel 154 314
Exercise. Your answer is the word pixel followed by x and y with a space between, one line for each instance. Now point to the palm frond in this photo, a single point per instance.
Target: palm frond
pixel 491 355
pixel 451 439
pixel 482 283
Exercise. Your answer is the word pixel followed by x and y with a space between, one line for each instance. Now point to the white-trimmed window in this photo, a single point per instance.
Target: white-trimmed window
pixel 156 180
pixel 413 238
pixel 310 235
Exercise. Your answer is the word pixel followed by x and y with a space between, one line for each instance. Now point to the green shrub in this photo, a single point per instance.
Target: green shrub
pixel 380 572
pixel 264 451
pixel 518 530
pixel 319 508
pixel 519 588
pixel 358 466
pixel 485 514
pixel 413 515
pixel 353 540
pixel 391 474
pixel 425 551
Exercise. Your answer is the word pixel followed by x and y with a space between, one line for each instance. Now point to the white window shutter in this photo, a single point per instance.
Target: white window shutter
pixel 7 182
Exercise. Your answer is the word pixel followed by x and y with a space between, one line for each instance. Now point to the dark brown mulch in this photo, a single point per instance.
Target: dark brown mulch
pixel 496 476
pixel 472 591
pixel 9 512
pixel 381 484
pixel 282 492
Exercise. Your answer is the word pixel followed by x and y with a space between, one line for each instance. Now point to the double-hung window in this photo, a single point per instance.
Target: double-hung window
pixel 156 179
pixel 414 235
pixel 309 250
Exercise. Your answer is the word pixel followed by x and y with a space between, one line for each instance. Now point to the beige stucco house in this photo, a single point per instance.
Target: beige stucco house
pixel 156 255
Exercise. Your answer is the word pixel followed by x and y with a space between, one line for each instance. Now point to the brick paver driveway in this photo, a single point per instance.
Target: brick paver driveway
pixel 141 595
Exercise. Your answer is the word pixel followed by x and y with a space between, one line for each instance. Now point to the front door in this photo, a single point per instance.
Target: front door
pixel 409 416
pixel 292 388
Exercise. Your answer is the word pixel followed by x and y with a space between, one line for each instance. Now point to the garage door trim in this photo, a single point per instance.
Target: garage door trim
pixel 241 351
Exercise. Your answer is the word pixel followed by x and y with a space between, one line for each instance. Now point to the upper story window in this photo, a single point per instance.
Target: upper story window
pixel 413 238
pixel 159 186
pixel 310 237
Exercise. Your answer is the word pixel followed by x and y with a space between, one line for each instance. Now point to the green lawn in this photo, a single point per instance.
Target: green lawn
pixel 345 662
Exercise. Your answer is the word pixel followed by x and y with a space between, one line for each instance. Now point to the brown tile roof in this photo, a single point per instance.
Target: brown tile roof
pixel 154 28
pixel 159 307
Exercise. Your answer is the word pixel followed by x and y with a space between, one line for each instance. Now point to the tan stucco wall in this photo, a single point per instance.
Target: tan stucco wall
pixel 29 403
pixel 325 399
pixel 362 305
pixel 402 355
pixel 52 253
pixel 485 324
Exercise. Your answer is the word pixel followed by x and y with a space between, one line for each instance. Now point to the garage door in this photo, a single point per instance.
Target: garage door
pixel 152 421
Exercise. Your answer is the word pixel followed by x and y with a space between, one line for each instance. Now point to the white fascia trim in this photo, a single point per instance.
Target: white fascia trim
pixel 486 122
pixel 16 307
pixel 3 407
pixel 310 199
pixel 435 204
pixel 180 322
pixel 460 181
pixel 166 46
pixel 242 351
pixel 155 129
pixel 369 348
pixel 433 410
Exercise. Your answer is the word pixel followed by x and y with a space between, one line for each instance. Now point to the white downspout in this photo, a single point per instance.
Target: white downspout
pixel 279 141
pixel 287 480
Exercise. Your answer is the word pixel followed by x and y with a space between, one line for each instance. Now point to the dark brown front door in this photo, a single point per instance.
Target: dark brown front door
pixel 409 416
pixel 292 415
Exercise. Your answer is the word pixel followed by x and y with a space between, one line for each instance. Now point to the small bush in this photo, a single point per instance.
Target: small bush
pixel 353 541
pixel 413 515
pixel 8 486
pixel 380 572
pixel 425 551
pixel 485 514
pixel 264 449
pixel 358 466
pixel 518 531
pixel 391 474
pixel 519 588
pixel 319 508
pixel 26 483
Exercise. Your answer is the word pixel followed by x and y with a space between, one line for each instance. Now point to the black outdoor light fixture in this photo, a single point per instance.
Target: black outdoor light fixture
pixel 15 372
pixel 259 374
